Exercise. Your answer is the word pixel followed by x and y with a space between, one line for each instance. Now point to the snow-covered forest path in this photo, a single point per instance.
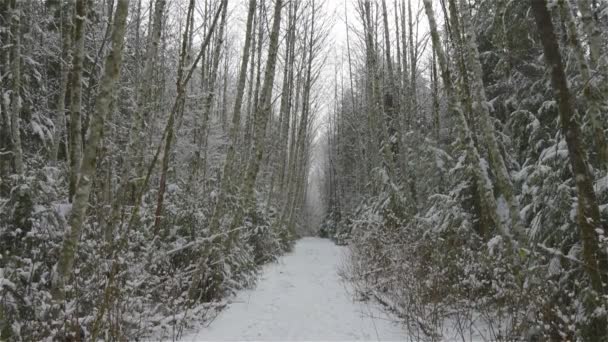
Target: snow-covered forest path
pixel 301 297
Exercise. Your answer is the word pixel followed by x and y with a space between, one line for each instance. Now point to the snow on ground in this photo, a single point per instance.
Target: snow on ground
pixel 301 298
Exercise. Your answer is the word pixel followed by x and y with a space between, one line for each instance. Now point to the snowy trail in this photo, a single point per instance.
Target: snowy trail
pixel 301 298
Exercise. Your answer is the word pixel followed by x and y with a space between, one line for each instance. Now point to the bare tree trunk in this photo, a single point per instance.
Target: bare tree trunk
pixel 378 129
pixel 76 95
pixel 211 92
pixel 60 122
pixel 398 47
pixel 228 175
pixel 251 117
pixel 300 139
pixel 413 62
pixel 135 148
pixel 168 132
pixel 488 212
pixel 144 96
pixel 435 90
pixel 224 106
pixel 368 167
pixel 286 97
pixel 350 62
pixel 404 63
pixel 588 213
pixel 64 266
pixel 263 111
pixel 293 145
pixel 193 292
pixel 313 39
pixel 480 107
pixel 593 95
pixel 390 98
pixel 178 106
pixel 250 90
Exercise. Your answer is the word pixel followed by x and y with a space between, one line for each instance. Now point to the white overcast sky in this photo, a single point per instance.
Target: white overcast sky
pixel 336 11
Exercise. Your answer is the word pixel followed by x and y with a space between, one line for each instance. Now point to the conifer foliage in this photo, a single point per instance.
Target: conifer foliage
pixel 146 170
pixel 465 166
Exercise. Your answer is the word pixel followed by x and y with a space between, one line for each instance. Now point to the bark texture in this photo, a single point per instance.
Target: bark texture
pixel 588 213
pixel 63 269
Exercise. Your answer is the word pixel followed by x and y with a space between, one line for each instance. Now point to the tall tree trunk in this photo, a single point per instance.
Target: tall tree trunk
pixel 391 98
pixel 592 94
pixel 178 106
pixel 263 111
pixel 398 46
pixel 250 88
pixel 66 40
pixel 480 108
pixel 435 90
pixel 167 135
pixel 404 65
pixel 76 95
pixel 488 212
pixel 300 139
pixel 588 213
pixel 224 107
pixel 228 179
pixel 413 50
pixel 408 99
pixel 350 62
pixel 286 96
pixel 144 95
pixel 255 96
pixel 368 163
pixel 211 88
pixel 135 147
pixel 378 129
pixel 293 145
pixel 64 267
